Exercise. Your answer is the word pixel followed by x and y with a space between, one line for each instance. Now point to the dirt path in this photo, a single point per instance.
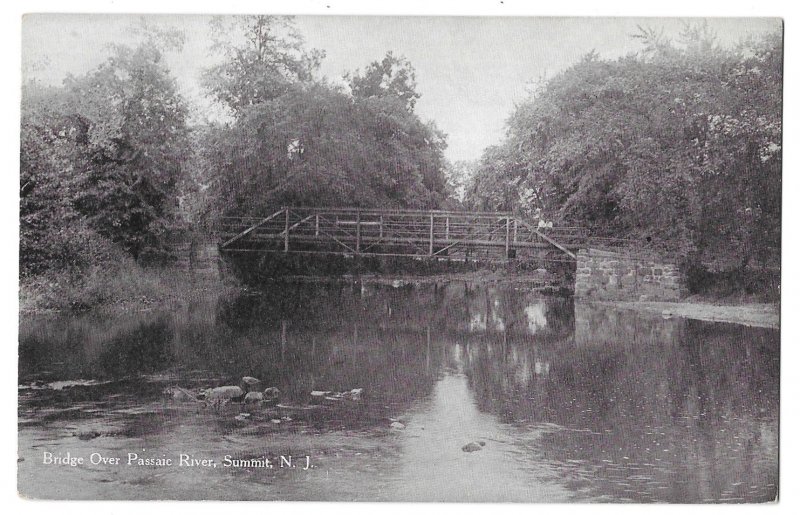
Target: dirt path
pixel 757 315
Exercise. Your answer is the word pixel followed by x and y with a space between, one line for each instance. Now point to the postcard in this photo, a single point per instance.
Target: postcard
pixel 374 258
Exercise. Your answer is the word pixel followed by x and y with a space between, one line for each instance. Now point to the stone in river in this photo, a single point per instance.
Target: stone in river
pixel 179 394
pixel 88 435
pixel 254 397
pixel 272 392
pixel 224 392
pixel 250 384
pixel 397 425
pixel 473 446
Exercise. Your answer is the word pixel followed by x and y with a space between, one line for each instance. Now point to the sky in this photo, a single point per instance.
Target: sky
pixel 471 71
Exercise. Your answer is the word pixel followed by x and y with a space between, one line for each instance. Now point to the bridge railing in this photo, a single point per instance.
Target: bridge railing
pixel 481 235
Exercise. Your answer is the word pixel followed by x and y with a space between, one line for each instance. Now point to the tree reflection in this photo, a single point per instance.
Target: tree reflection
pixel 624 404
pixel 692 405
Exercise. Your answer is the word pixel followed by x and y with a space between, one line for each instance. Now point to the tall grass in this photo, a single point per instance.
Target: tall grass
pixel 125 284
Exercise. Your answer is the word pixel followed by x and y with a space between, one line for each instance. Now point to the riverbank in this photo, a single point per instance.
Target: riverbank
pixel 538 278
pixel 142 289
pixel 125 288
pixel 129 287
pixel 749 314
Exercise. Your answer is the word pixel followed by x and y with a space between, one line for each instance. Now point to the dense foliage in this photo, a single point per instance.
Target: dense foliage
pixel 99 163
pixel 679 146
pixel 295 140
pixel 110 165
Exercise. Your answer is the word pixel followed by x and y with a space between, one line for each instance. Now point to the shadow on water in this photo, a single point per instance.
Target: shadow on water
pixel 573 402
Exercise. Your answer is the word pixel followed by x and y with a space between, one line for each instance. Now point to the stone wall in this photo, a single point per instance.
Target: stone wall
pixel 604 275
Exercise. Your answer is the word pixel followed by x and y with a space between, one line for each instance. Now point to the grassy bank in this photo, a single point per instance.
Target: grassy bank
pixel 125 285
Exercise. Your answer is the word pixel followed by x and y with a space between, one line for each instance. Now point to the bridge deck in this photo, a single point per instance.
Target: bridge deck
pixel 412 233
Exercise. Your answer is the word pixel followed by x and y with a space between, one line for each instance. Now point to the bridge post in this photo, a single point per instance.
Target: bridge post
pixel 430 246
pixel 508 236
pixel 316 225
pixel 447 228
pixel 286 232
pixel 358 232
pixel 380 234
pixel 515 229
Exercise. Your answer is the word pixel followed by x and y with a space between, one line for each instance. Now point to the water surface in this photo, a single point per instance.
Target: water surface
pixel 573 402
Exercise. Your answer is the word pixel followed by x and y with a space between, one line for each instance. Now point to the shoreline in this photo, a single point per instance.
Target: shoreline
pixel 542 280
pixel 189 287
pixel 751 314
pixel 755 314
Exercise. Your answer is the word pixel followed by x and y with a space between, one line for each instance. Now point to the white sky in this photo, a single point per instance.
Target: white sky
pixel 470 71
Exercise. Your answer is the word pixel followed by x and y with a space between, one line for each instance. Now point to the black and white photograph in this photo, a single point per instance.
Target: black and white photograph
pixel 451 259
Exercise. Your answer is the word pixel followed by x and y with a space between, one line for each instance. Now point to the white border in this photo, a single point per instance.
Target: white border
pixel 9 139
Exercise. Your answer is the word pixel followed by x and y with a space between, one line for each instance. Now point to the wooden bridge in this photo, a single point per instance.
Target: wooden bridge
pixel 496 236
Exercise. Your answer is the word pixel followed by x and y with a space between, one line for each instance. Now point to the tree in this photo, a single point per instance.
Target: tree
pixel 295 140
pixel 102 154
pixel 316 146
pixel 459 175
pixel 679 146
pixel 392 76
pixel 262 57
pixel 721 140
pixel 136 142
pixel 52 234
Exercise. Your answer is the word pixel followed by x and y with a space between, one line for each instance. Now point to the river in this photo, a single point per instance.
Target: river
pixel 571 402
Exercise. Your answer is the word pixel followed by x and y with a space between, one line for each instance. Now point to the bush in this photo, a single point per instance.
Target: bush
pixel 121 284
pixel 763 283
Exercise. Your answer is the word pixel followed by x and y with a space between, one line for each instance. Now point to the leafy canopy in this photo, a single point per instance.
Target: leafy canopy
pixel 679 146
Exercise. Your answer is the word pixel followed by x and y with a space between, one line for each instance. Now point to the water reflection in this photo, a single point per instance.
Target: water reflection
pixel 574 402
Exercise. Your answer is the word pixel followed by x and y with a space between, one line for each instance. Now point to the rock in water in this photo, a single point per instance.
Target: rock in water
pixel 250 384
pixel 271 396
pixel 254 397
pixel 88 435
pixel 224 392
pixel 397 425
pixel 355 394
pixel 473 446
pixel 179 394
